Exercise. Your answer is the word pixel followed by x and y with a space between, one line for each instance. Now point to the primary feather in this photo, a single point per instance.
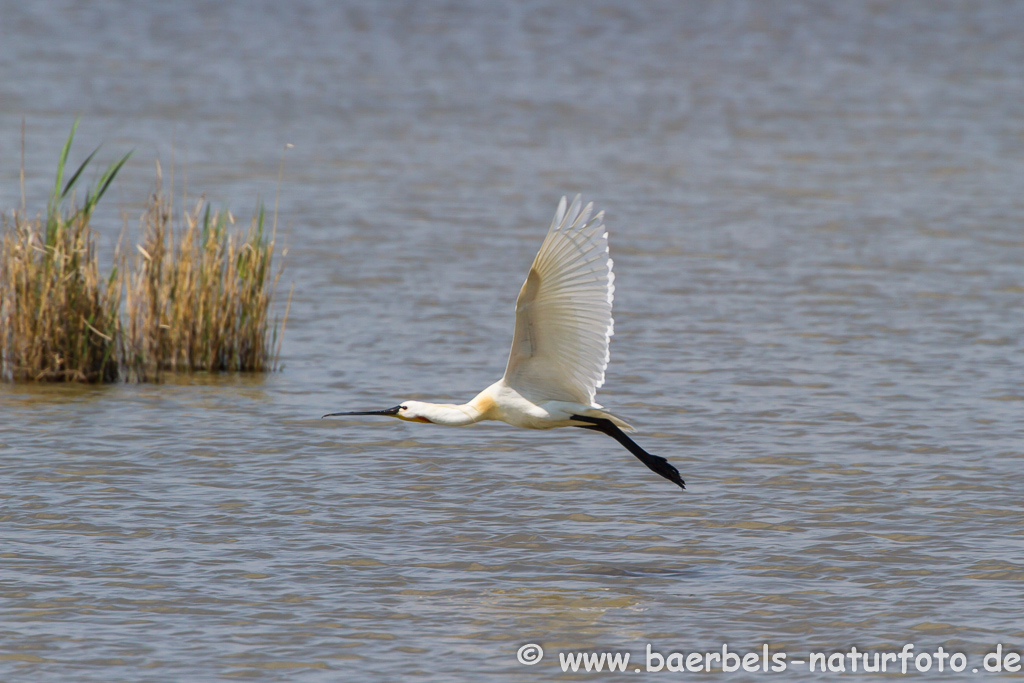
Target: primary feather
pixel 564 312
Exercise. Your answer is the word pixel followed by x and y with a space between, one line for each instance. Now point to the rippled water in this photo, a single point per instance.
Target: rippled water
pixel 816 220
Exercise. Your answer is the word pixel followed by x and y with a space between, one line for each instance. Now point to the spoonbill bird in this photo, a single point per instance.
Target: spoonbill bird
pixel 559 348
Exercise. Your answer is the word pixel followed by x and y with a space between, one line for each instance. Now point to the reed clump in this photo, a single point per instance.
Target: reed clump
pixel 200 299
pixel 196 298
pixel 59 319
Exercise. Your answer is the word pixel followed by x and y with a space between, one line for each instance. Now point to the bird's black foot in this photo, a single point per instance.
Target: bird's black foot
pixel 655 463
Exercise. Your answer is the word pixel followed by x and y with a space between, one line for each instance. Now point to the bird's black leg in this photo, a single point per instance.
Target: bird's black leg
pixel 656 463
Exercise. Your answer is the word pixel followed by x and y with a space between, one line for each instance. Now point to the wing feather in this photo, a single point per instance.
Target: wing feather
pixel 564 311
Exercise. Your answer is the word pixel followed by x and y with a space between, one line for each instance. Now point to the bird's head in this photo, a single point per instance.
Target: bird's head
pixel 410 411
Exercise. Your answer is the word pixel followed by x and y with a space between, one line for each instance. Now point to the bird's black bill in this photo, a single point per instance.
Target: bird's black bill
pixel 656 463
pixel 389 411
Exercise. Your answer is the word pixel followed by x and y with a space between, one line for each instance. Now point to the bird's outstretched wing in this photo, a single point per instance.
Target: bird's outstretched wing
pixel 564 312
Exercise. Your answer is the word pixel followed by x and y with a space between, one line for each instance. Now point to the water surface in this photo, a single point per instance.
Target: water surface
pixel 815 215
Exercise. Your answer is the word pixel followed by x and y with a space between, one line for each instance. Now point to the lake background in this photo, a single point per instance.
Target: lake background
pixel 815 212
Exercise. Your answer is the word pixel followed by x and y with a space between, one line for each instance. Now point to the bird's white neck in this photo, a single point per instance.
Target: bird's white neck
pixel 449 414
pixel 439 413
pixel 480 408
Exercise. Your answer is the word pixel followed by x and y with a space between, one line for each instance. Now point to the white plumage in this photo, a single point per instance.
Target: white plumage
pixel 559 347
pixel 564 312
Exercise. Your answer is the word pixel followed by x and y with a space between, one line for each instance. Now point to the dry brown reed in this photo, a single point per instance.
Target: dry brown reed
pixel 194 299
pixel 200 299
pixel 59 320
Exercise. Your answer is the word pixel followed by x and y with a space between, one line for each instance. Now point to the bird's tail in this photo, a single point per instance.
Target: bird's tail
pixel 617 421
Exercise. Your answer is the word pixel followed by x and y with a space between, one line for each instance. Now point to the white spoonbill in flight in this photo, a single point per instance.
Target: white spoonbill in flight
pixel 559 348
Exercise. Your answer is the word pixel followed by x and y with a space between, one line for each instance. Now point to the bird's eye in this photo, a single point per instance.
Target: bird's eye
pixel 403 407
